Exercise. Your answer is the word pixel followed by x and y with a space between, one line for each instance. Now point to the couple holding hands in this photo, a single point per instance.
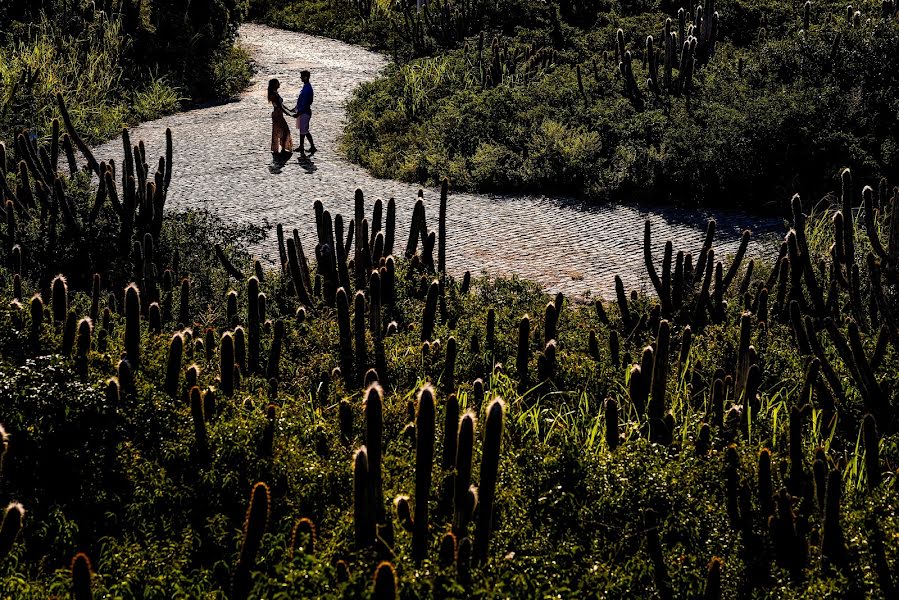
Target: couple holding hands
pixel 282 143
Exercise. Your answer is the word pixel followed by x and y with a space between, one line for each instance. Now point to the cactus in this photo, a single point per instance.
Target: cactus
pixel 654 548
pixel 81 577
pixel 546 362
pixel 450 421
pixel 10 528
pixel 489 472
pixel 373 436
pixel 60 299
pixel 274 357
pixel 430 313
pixel 254 528
pixel 173 365
pixel 611 420
pixel 704 441
pixel 132 325
pixel 198 415
pixel 240 349
pixel 462 508
pixel 363 520
pixel 374 308
pixel 872 452
pixel 658 400
pixel 253 325
pixel 346 336
pixel 637 388
pixel 521 362
pixel 424 460
pixel 297 274
pixel 359 330
pixel 385 582
pixel 226 367
pixel 731 483
pixel 302 538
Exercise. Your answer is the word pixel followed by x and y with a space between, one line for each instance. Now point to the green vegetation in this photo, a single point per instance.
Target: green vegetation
pixel 542 97
pixel 181 422
pixel 117 62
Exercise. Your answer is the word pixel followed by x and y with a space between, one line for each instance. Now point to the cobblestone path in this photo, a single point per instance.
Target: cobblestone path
pixel 222 161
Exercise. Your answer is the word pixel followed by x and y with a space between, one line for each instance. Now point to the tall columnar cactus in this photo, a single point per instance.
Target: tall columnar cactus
pixel 226 366
pixel 81 577
pixel 425 420
pixel 374 304
pixel 198 415
pixel 363 519
pixel 359 330
pixel 173 365
pixel 462 508
pixel 68 334
pixel 184 303
pixel 10 528
pixel 523 355
pixel 654 548
pixel 297 273
pixel 60 295
pixel 385 582
pixel 550 323
pixel 254 528
pixel 713 580
pixel 274 357
pixel 253 325
pixel 82 347
pixel 872 452
pixel 132 325
pixel 240 349
pixel 658 402
pixel 731 484
pixel 429 317
pixel 611 418
pixel 374 399
pixel 489 472
pixel 345 334
pixel 450 423
pixel 302 538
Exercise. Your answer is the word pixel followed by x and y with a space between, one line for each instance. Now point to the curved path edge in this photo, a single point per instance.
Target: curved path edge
pixel 222 162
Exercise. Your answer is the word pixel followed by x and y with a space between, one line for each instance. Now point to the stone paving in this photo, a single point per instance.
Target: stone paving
pixel 222 162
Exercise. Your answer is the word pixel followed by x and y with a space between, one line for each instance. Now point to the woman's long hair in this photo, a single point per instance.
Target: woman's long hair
pixel 272 86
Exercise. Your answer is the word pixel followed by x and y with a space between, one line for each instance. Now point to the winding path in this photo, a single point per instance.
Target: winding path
pixel 222 162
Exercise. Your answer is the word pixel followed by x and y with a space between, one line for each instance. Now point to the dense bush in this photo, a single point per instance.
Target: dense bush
pixel 116 62
pixel 733 436
pixel 776 109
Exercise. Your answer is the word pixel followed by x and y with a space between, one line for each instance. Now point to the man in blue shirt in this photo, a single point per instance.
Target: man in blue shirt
pixel 304 114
